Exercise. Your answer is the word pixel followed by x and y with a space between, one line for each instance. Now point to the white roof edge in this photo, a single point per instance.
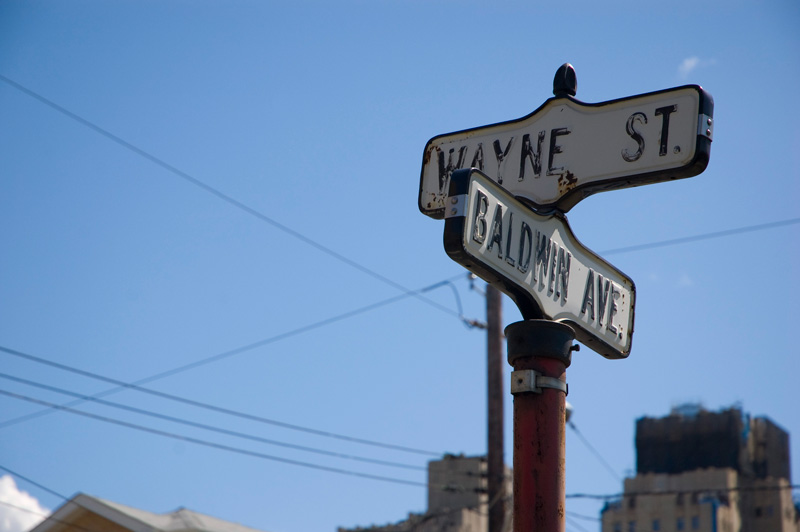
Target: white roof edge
pixel 82 502
pixel 138 520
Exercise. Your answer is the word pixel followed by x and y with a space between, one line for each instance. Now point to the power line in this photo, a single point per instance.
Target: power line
pixel 569 520
pixel 207 406
pixel 33 482
pixel 48 490
pixel 581 516
pixel 49 517
pixel 205 426
pixel 594 451
pixel 214 445
pixel 704 236
pixel 697 491
pixel 470 323
pixel 222 196
pixel 122 386
pixel 27 510
pixel 320 247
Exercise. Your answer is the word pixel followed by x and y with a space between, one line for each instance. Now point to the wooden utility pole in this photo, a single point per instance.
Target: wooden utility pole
pixel 495 460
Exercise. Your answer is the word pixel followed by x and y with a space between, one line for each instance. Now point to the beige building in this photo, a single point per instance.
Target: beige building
pixel 707 472
pixel 87 513
pixel 457 500
pixel 694 500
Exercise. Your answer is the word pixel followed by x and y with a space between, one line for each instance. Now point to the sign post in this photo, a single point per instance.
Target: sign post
pixel 503 190
pixel 540 352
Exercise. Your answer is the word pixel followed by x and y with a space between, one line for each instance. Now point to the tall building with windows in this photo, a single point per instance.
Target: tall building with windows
pixel 707 472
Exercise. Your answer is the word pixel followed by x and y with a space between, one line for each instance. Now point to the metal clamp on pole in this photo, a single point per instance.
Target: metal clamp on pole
pixel 528 380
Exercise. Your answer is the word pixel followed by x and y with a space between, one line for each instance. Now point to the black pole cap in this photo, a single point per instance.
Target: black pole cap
pixel 566 82
pixel 540 338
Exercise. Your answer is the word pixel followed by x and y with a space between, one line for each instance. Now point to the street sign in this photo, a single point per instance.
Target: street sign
pixel 538 262
pixel 567 150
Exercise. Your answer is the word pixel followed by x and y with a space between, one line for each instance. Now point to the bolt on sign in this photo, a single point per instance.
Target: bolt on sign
pixel 567 150
pixel 538 262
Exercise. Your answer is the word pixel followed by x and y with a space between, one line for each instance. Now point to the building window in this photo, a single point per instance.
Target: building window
pixel 679 524
pixel 617 527
pixel 758 511
pixel 632 502
pixel 656 525
pixel 679 499
pixel 631 526
pixel 695 522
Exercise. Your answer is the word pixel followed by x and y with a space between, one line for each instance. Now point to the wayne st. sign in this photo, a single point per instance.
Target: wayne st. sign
pixel 538 262
pixel 567 150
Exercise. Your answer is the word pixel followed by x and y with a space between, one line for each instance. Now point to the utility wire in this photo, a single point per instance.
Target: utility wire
pixel 205 426
pixel 697 491
pixel 48 490
pixel 320 247
pixel 49 517
pixel 704 236
pixel 324 249
pixel 475 508
pixel 122 386
pixel 594 451
pixel 214 445
pixel 470 323
pixel 262 217
pixel 222 196
pixel 581 516
pixel 249 210
pixel 228 199
pixel 207 406
pixel 569 520
pixel 26 510
pixel 29 481
pixel 407 292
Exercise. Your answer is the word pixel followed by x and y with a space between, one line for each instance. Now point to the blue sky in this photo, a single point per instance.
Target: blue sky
pixel 311 119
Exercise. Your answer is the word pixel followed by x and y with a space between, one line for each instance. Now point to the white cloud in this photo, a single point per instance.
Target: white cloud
pixel 688 65
pixel 685 280
pixel 19 511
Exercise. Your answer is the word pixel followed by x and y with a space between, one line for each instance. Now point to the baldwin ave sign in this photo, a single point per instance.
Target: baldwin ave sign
pixel 538 262
pixel 567 150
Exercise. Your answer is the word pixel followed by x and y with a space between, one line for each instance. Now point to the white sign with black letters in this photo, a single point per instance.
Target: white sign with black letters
pixel 539 263
pixel 567 149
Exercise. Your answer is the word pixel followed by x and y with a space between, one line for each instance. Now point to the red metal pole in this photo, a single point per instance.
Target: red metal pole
pixel 539 351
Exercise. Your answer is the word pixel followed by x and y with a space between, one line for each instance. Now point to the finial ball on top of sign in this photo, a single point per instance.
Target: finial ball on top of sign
pixel 565 82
